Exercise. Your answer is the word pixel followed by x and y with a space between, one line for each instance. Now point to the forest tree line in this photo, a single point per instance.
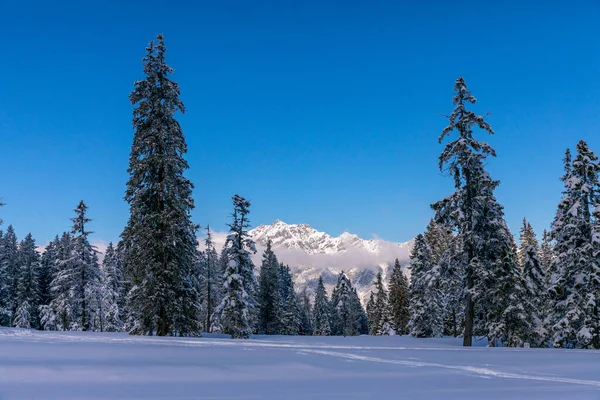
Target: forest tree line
pixel 468 275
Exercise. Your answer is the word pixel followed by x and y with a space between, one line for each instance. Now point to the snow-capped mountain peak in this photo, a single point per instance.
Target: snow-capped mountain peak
pixel 306 238
pixel 311 253
pixel 295 236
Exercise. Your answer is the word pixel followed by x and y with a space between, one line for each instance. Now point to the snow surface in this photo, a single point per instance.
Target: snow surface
pixel 76 365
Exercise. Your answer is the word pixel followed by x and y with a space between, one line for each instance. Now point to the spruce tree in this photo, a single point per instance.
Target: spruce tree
pixel 27 294
pixel 346 314
pixel 269 294
pixel 85 274
pixel 159 239
pixel 372 314
pixel 5 306
pixel 438 237
pixel 322 310
pixel 465 211
pixel 507 308
pixel 306 315
pixel 361 321
pixel 59 315
pixel 574 272
pixel 452 268
pixel 286 281
pixel 110 318
pixel 425 297
pixel 8 276
pixel 3 285
pixel 286 290
pixel 291 321
pixel 399 300
pixel 546 252
pixel 47 271
pixel 380 317
pixel 235 310
pixel 211 280
pixel 534 275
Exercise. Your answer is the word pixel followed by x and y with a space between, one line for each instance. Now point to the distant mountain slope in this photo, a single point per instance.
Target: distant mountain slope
pixel 311 253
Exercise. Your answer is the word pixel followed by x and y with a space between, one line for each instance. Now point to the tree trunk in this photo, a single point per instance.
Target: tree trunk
pixel 469 312
pixel 208 295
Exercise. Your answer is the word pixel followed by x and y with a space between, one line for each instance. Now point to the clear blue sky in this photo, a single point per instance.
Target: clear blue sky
pixel 319 112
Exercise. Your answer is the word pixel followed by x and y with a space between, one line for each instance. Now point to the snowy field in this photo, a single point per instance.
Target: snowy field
pixel 73 365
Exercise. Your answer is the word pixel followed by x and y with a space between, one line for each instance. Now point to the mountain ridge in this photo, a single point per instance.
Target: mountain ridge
pixel 311 253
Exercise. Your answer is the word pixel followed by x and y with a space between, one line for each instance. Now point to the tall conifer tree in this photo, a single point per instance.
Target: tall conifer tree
pixel 399 299
pixel 9 274
pixel 159 239
pixel 28 261
pixel 534 276
pixel 85 278
pixel 235 312
pixel 269 294
pixel 466 209
pixel 59 314
pixel 211 280
pixel 347 313
pixel 426 308
pixel 110 317
pixel 322 310
pixel 546 252
pixel 575 272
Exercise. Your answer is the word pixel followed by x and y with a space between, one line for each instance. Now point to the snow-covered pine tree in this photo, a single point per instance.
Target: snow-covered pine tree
pixel 85 274
pixel 159 239
pixel 28 261
pixel 306 315
pixel 505 304
pixel 426 308
pixel 235 310
pixel 372 314
pixel 8 276
pixel 575 275
pixel 110 318
pixel 5 284
pixel 534 276
pixel 592 320
pixel 291 320
pixel 269 294
pixel 452 267
pixel 59 314
pixel 546 252
pixel 361 321
pixel 464 210
pixel 286 282
pixel 398 300
pixel 47 271
pixel 286 289
pixel 211 280
pixel 438 237
pixel 322 310
pixel 345 315
pixel 4 287
pixel 380 314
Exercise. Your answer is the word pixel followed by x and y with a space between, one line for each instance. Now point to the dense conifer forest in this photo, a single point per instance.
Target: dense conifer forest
pixel 469 276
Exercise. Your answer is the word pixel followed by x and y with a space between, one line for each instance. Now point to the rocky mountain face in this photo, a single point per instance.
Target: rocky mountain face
pixel 311 253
